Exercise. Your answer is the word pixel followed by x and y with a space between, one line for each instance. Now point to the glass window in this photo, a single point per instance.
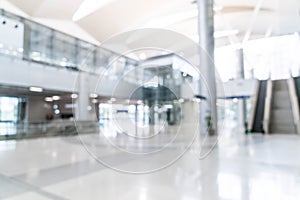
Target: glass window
pixel 86 56
pixel 64 50
pixel 40 43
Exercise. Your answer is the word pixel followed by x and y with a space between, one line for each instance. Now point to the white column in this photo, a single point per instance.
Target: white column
pixel 241 103
pixel 208 108
pixel 84 110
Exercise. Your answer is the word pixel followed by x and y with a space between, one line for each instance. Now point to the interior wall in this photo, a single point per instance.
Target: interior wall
pixel 37 110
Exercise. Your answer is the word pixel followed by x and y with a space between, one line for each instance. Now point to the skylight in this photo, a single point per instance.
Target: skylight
pixel 87 7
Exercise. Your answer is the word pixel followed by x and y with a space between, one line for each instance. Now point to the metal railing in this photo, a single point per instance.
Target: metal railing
pixel 268 104
pixel 253 110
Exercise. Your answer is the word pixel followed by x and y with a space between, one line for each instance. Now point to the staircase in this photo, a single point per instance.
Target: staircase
pixel 281 116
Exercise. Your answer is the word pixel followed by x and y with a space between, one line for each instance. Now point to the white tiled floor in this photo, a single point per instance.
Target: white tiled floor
pixel 240 167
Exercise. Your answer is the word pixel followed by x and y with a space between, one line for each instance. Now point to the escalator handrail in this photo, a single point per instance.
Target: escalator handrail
pixel 267 108
pixel 295 104
pixel 254 103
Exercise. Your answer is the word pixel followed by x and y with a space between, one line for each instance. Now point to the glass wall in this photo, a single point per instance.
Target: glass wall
pixel 45 45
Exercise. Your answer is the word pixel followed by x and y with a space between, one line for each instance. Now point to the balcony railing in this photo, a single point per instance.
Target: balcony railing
pixel 28 40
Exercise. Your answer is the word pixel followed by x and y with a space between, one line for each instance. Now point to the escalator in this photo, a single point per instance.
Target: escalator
pixel 258 116
pixel 281 118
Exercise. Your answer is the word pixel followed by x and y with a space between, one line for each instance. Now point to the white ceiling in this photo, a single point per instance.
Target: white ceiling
pixel 243 19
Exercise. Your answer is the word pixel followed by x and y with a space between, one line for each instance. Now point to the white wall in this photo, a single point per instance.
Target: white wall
pixel 11 37
pixel 17 72
pixel 21 73
pixel 239 88
pixel 37 109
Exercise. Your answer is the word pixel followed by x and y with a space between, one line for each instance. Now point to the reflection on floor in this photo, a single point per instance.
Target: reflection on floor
pixel 172 166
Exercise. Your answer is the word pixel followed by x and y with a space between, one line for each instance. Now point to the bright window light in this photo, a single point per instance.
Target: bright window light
pixel 36 89
pixel 88 7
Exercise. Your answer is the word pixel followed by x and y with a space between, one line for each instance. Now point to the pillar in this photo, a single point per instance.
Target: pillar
pixel 84 110
pixel 241 103
pixel 208 108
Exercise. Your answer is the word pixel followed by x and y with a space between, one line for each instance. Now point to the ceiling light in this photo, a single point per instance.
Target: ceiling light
pixel 48 99
pixel 56 98
pixel 74 96
pixel 93 95
pixel 36 89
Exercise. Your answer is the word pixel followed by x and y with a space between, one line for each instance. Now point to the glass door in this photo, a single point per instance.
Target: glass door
pixel 8 115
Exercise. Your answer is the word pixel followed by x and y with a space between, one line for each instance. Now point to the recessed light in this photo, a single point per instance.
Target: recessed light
pixel 35 89
pixel 74 96
pixel 56 98
pixel 48 99
pixel 93 95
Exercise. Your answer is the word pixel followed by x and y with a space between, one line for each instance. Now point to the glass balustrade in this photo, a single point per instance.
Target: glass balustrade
pixel 25 39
